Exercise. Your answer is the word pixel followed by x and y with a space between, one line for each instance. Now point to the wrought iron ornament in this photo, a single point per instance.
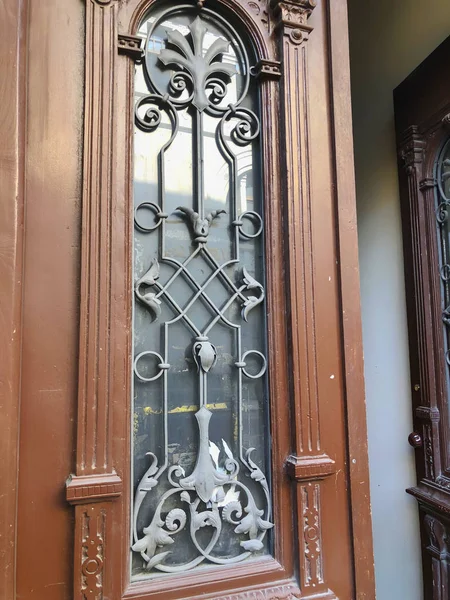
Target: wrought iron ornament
pixel 442 217
pixel 220 497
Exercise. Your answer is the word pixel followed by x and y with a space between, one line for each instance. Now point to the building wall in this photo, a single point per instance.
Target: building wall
pixel 388 39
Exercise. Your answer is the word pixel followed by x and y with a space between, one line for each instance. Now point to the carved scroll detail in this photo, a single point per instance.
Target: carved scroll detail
pixel 259 9
pixel 285 591
pixel 93 532
pixel 281 592
pixel 312 534
pixel 440 555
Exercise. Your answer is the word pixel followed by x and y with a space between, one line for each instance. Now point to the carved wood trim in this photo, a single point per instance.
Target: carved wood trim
pixel 304 468
pixel 94 439
pixel 268 69
pixel 95 479
pixel 91 525
pixel 309 460
pixel 418 217
pixel 309 463
pixel 298 204
pixel 258 8
pixel 93 488
pixel 130 45
pixel 422 129
pixel 438 549
pixel 284 591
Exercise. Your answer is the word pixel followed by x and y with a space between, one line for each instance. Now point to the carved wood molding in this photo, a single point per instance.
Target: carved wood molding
pixel 92 531
pixel 427 413
pixel 420 220
pixel 312 535
pixel 439 550
pixel 288 591
pixel 412 147
pixel 298 202
pixel 94 416
pixel 285 591
pixel 304 468
pixel 259 9
pixel 93 488
pixel 292 17
pixel 268 69
pixel 95 480
pixel 426 183
pixel 309 463
pixel 130 45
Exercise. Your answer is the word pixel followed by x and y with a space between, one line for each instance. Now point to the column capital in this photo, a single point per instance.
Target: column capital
pixel 412 146
pixel 293 16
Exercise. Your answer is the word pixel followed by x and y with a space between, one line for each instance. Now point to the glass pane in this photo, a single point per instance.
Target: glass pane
pixel 442 216
pixel 201 440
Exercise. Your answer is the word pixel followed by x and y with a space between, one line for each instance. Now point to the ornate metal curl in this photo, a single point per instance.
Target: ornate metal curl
pixel 213 494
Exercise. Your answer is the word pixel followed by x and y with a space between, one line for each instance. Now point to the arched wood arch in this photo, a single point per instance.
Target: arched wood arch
pixel 253 15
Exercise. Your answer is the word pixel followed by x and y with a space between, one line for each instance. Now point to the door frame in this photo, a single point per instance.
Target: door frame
pixel 422 128
pixel 103 488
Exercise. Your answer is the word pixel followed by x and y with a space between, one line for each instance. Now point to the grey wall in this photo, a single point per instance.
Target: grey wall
pixel 388 39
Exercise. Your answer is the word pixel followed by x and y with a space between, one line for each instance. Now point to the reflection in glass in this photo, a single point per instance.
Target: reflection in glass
pixel 200 429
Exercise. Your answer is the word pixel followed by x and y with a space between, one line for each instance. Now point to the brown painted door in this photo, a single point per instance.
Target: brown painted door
pixel 149 454
pixel 422 108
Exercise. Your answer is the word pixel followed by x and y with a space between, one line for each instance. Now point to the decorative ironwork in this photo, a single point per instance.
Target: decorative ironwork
pixel 442 184
pixel 212 497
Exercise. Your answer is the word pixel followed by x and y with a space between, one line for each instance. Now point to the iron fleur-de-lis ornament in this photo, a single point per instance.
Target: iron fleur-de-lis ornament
pixel 199 225
pixel 199 66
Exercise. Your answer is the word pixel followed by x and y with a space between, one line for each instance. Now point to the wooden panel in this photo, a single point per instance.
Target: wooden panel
pixel 13 15
pixel 352 350
pixel 51 298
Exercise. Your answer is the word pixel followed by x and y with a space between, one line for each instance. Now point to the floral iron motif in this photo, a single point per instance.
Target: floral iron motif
pixel 212 495
pixel 199 225
pixel 198 65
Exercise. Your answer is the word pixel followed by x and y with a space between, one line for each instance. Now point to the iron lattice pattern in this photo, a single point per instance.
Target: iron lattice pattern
pixel 202 58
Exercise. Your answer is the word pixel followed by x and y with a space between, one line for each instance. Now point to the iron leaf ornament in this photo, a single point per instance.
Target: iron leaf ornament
pixel 219 489
pixel 199 65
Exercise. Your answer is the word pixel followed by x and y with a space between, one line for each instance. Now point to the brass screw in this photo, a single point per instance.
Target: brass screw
pixel 416 387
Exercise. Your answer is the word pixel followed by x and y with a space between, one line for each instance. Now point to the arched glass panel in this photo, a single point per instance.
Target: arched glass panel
pixel 201 439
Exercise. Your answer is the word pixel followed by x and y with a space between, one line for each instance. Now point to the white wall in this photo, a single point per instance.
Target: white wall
pixel 388 39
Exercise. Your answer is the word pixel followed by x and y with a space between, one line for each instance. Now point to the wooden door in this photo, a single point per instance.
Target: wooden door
pixel 93 447
pixel 422 109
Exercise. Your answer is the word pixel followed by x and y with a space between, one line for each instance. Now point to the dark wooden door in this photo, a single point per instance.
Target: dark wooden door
pixel 422 109
pixel 71 526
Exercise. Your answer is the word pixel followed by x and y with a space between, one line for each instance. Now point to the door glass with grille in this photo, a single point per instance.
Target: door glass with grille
pixel 201 439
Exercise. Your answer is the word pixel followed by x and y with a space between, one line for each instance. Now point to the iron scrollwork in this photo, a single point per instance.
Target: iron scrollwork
pixel 212 495
pixel 442 218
